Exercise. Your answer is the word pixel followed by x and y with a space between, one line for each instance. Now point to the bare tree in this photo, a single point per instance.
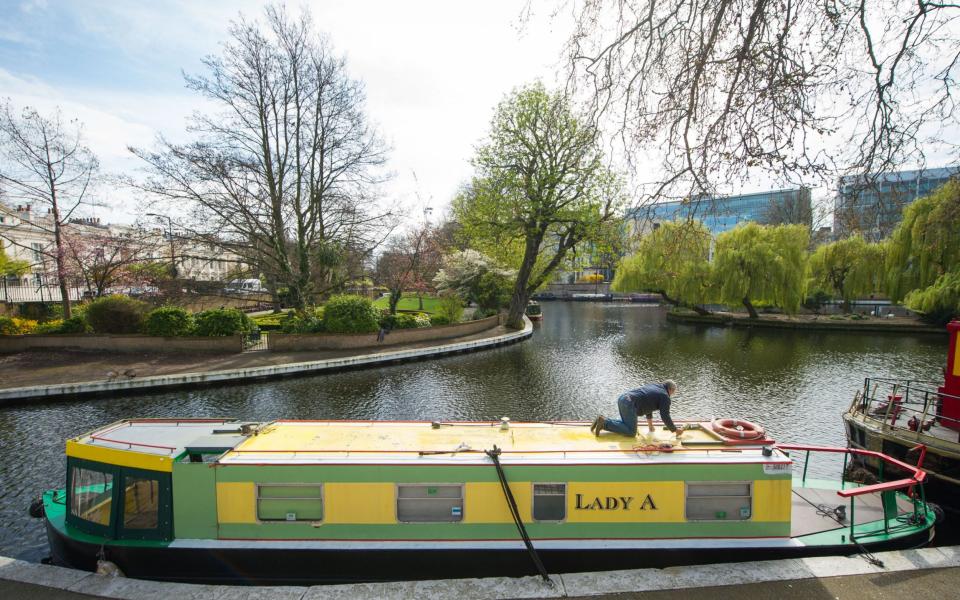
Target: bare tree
pixel 103 259
pixel 286 174
pixel 402 266
pixel 44 164
pixel 790 87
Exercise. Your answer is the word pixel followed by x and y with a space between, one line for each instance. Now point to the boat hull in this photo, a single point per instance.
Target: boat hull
pixel 298 566
pixel 943 467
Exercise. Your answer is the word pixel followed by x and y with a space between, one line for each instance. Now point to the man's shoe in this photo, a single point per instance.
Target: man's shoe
pixel 600 423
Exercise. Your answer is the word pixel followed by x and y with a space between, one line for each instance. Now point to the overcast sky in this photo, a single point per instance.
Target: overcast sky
pixel 433 70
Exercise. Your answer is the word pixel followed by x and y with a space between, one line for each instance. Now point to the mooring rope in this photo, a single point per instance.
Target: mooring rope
pixel 495 457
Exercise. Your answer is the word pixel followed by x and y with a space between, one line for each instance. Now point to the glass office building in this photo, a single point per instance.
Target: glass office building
pixel 874 205
pixel 722 214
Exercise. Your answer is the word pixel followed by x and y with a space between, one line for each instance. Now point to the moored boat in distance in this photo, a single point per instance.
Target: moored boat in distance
pixel 915 421
pixel 333 501
pixel 533 311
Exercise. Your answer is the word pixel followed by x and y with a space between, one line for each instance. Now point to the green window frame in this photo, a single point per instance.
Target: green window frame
pixel 139 505
pixel 290 502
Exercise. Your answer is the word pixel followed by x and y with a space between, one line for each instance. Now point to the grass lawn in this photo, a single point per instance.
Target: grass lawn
pixel 410 302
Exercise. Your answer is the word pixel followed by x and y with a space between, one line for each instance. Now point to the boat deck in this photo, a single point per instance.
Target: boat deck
pixel 810 512
pixel 298 442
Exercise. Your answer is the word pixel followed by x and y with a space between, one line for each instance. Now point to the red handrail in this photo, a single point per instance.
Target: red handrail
pixel 918 475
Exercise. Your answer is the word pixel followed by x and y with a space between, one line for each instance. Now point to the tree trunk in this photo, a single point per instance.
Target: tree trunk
pixel 394 300
pixel 60 258
pixel 420 299
pixel 518 302
pixel 669 300
pixel 846 306
pixel 750 308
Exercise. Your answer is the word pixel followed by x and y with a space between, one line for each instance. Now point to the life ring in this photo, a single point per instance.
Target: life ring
pixel 737 429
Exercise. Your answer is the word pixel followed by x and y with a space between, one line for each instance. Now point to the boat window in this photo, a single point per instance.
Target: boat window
pixel 720 501
pixel 92 498
pixel 141 503
pixel 429 503
pixel 294 502
pixel 549 501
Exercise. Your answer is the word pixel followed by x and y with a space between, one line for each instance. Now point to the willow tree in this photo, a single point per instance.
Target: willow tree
pixel 926 243
pixel 673 261
pixel 849 268
pixel 540 188
pixel 762 263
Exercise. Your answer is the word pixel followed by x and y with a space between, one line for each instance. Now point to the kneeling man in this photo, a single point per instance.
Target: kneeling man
pixel 641 401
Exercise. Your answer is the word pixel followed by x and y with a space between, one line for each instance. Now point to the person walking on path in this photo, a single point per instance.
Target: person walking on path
pixel 641 401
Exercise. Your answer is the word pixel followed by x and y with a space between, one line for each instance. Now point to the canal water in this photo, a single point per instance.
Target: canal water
pixel 580 358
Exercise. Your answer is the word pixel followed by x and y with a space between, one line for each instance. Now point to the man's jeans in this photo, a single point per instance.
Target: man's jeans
pixel 627 425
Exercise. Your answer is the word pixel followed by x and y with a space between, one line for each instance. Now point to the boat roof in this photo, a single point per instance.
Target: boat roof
pixel 160 442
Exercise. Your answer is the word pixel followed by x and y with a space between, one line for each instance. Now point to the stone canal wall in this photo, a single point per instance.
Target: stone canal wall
pixel 121 343
pixel 808 323
pixel 297 342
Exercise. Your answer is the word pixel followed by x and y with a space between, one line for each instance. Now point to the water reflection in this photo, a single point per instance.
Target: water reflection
pixel 580 359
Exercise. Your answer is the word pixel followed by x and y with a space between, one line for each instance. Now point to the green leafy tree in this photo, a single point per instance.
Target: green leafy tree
pixel 10 267
pixel 540 188
pixel 926 243
pixel 672 260
pixel 848 268
pixel 755 262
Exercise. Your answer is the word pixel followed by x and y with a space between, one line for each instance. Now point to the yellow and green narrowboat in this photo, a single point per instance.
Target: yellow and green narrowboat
pixel 323 501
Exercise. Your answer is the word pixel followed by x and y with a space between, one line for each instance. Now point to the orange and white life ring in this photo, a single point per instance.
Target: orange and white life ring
pixel 737 429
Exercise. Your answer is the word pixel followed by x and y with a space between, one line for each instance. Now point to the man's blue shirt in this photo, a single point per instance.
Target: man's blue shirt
pixel 651 397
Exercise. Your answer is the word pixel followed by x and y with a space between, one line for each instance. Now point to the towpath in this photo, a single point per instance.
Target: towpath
pixel 36 375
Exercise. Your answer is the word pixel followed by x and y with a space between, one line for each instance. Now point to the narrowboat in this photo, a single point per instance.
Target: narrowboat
pixel 289 502
pixel 915 421
pixel 533 311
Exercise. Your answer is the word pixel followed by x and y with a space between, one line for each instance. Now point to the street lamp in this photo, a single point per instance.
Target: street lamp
pixel 173 257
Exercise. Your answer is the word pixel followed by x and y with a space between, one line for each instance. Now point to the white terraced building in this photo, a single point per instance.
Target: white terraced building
pixel 27 235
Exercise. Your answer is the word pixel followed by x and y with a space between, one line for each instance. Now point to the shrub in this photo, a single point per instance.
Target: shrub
pixel 169 321
pixel 75 324
pixel 436 320
pixel 302 322
pixel 592 278
pixel 450 307
pixel 405 321
pixel 16 326
pixel 116 314
pixel 483 313
pixel 219 322
pixel 493 291
pixel 351 314
pixel 52 326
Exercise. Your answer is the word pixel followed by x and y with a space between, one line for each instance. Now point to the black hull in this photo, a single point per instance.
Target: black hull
pixel 300 567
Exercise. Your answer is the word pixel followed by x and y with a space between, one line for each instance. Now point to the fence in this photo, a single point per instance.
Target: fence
pixel 22 294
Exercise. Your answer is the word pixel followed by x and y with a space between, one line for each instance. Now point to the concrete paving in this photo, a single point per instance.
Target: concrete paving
pixel 917 574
